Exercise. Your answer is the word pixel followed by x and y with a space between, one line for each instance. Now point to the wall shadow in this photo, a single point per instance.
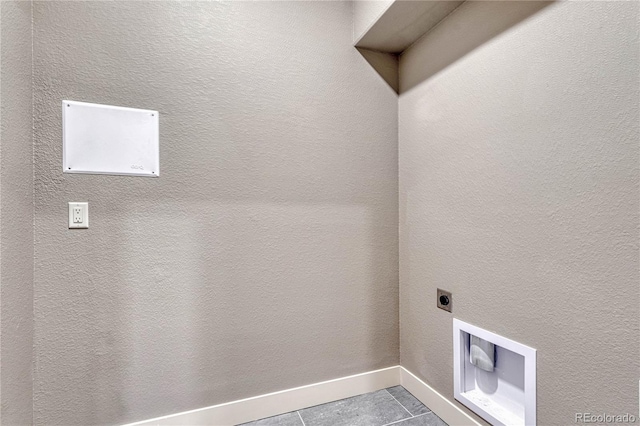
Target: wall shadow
pixel 467 28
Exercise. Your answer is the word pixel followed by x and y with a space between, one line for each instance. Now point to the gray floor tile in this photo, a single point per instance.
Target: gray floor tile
pixel 371 409
pixel 428 419
pixel 408 401
pixel 288 419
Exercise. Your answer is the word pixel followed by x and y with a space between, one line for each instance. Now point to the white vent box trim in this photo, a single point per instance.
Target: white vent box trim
pixel 506 396
pixel 112 140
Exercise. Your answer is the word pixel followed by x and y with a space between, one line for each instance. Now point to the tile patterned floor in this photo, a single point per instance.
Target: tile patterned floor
pixel 393 406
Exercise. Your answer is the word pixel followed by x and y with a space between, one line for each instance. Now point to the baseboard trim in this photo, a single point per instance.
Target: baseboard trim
pixel 441 406
pixel 272 404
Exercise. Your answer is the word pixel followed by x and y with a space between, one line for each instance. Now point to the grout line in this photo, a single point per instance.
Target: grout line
pixel 299 415
pixel 405 408
pixel 404 420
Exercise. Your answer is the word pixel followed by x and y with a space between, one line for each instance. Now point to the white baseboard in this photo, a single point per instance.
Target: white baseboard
pixel 441 406
pixel 272 404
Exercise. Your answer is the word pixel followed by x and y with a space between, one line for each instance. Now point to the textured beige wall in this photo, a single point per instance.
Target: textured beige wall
pixel 366 13
pixel 263 258
pixel 519 193
pixel 16 215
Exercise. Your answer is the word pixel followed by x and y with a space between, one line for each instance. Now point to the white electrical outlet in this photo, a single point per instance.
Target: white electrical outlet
pixel 78 215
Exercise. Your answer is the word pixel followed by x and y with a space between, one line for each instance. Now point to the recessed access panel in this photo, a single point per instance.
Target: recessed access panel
pixel 104 139
pixel 505 396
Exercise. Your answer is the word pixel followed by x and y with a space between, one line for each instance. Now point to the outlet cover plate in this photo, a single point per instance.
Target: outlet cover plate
pixel 449 306
pixel 78 215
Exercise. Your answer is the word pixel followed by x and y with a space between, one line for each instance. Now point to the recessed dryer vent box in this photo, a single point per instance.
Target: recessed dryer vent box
pixel 112 140
pixel 504 396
